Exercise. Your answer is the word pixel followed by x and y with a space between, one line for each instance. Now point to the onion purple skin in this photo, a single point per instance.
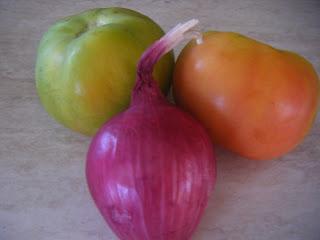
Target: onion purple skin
pixel 150 171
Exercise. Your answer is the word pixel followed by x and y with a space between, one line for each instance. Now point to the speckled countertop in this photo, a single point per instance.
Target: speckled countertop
pixel 43 193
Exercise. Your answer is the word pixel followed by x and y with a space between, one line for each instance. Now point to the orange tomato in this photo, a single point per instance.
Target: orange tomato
pixel 254 100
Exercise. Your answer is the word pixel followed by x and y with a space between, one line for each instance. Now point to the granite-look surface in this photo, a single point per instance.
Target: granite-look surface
pixel 43 193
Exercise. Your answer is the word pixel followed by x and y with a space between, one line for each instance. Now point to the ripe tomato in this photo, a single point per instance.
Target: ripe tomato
pixel 255 100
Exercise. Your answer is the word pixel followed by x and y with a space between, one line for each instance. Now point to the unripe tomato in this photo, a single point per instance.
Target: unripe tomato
pixel 86 65
pixel 254 100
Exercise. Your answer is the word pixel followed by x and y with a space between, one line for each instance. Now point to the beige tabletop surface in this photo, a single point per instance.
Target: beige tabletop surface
pixel 43 192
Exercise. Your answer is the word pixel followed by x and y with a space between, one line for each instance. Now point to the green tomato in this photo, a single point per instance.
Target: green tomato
pixel 86 65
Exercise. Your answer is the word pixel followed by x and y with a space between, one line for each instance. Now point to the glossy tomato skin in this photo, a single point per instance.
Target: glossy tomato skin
pixel 254 100
pixel 86 65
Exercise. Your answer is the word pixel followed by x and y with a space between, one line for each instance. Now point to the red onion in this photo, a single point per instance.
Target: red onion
pixel 151 169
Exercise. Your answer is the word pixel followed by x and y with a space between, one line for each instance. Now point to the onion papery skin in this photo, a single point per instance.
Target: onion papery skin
pixel 150 171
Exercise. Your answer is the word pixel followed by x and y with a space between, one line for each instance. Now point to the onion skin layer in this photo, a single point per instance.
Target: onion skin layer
pixel 150 170
pixel 148 180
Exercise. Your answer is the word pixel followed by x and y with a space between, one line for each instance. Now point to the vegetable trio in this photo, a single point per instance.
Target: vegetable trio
pixel 151 168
